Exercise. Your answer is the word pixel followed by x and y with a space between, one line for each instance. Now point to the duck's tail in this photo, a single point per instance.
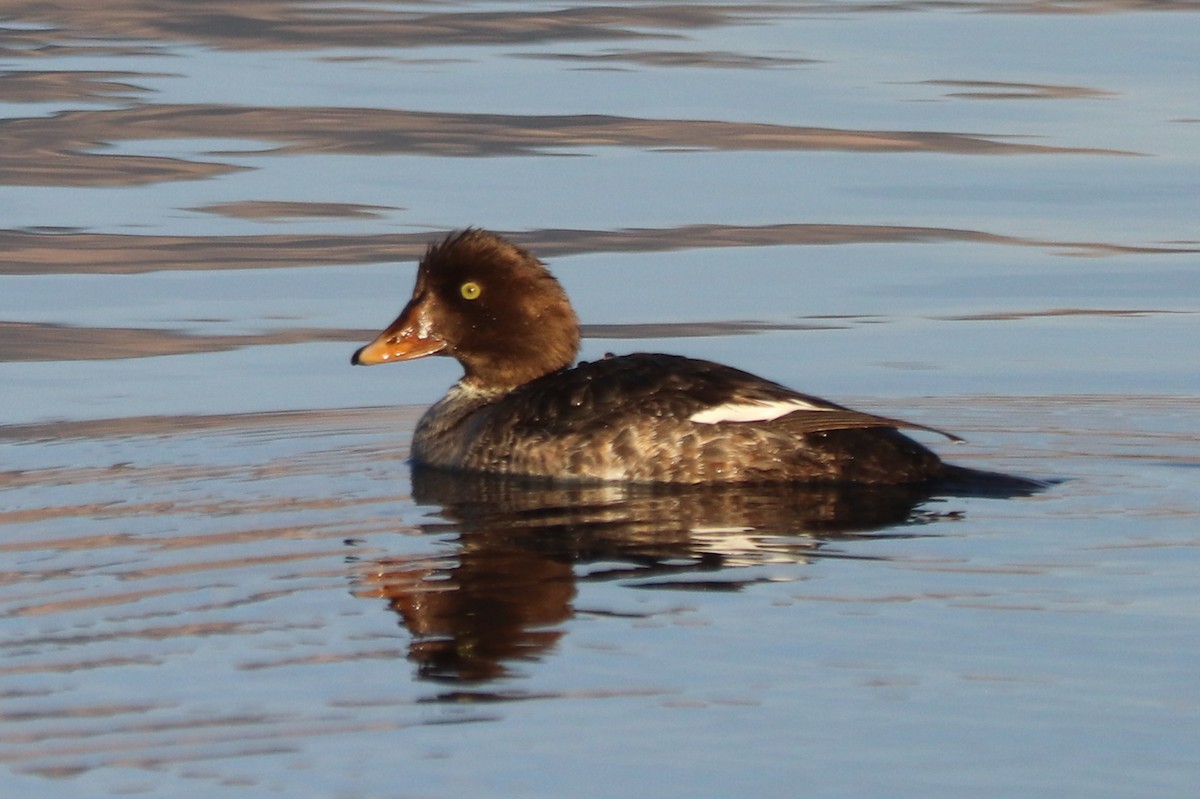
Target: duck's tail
pixel 965 482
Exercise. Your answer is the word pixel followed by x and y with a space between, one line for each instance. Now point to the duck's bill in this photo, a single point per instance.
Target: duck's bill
pixel 405 339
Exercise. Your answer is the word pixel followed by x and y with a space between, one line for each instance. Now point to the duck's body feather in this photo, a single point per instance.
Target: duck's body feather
pixel 632 418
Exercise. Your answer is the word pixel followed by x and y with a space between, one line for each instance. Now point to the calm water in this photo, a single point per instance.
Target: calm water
pixel 219 577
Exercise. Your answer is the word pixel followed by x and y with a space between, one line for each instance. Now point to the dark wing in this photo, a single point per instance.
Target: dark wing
pixel 598 395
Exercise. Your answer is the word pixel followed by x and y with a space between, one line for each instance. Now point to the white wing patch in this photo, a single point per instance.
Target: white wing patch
pixel 753 411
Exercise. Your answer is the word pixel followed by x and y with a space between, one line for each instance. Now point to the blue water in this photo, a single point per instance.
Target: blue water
pixel 218 575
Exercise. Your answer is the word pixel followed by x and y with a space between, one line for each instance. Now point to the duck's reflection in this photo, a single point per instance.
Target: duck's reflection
pixel 501 594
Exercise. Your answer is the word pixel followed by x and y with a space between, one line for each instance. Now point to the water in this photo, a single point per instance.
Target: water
pixel 219 575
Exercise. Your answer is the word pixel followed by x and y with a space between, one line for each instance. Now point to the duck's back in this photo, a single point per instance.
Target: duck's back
pixel 664 418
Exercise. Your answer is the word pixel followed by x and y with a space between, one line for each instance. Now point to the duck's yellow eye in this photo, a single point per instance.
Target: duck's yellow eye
pixel 470 290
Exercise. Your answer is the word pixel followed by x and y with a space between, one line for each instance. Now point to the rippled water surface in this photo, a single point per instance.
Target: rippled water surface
pixel 219 576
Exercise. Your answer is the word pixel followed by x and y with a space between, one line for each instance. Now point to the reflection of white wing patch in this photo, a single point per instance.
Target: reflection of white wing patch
pixel 753 411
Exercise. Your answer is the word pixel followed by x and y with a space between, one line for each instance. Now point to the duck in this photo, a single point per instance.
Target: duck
pixel 524 407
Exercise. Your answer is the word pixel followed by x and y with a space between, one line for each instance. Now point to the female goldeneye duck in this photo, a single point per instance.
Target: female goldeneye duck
pixel 521 408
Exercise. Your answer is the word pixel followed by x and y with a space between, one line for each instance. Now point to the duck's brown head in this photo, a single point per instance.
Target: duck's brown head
pixel 488 303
